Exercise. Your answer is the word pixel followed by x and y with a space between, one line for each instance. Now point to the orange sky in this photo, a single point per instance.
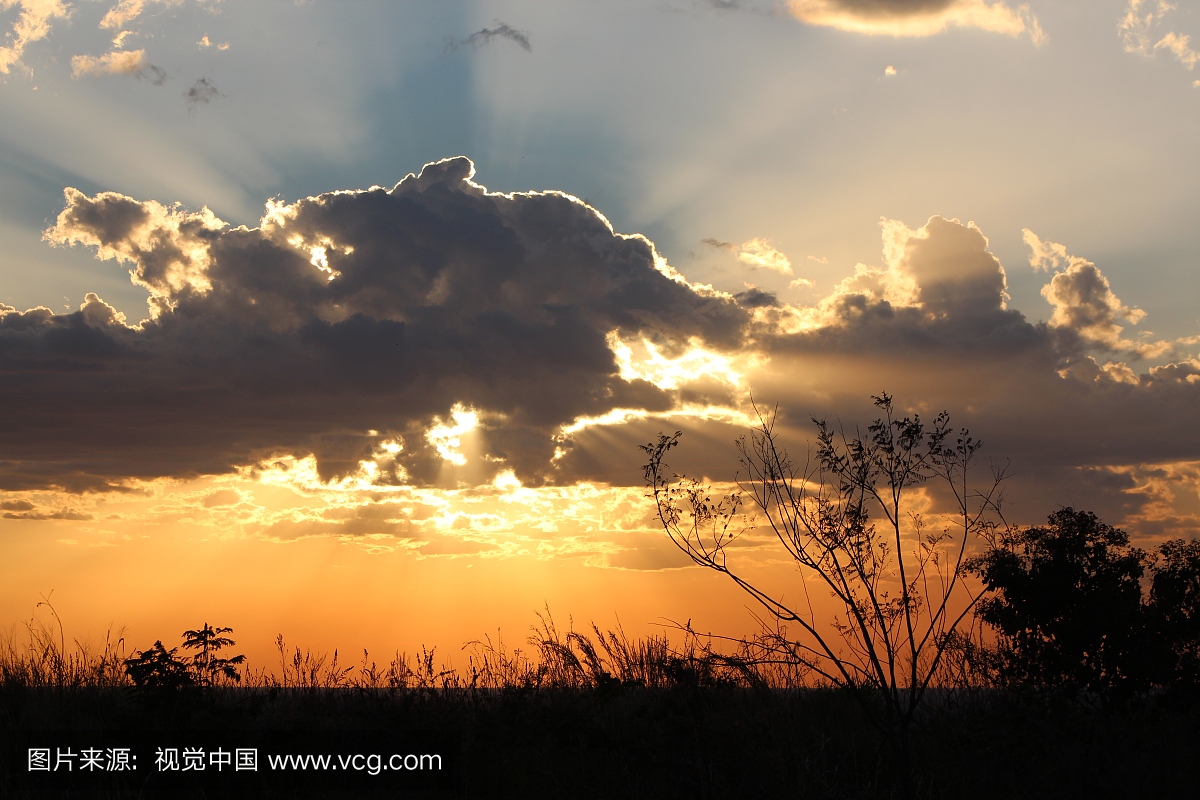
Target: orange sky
pixel 324 593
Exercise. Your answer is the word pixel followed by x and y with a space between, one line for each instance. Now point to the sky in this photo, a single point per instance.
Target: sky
pixel 344 321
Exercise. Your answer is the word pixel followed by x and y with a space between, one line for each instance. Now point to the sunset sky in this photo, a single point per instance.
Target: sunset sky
pixel 344 320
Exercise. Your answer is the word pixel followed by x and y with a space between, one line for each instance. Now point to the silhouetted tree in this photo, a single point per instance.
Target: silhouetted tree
pixel 1174 607
pixel 1067 604
pixel 158 668
pixel 901 588
pixel 206 664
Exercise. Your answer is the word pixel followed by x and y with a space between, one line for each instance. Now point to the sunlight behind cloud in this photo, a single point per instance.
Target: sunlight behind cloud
pixel 619 416
pixel 650 364
pixel 447 439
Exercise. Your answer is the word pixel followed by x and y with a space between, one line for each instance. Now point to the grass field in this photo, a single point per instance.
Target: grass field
pixel 595 714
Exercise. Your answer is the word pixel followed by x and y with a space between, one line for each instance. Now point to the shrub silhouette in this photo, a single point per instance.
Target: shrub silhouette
pixel 206 665
pixel 1068 605
pixel 160 668
pixel 157 668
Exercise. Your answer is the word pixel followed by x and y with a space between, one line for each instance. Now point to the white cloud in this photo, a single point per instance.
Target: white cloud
pixel 889 70
pixel 116 62
pixel 1178 45
pixel 1084 301
pixel 759 253
pixel 127 11
pixel 121 14
pixel 1139 33
pixel 31 25
pixel 1045 255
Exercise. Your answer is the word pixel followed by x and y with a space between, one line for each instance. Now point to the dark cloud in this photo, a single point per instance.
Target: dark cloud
pixel 343 320
pixel 502 30
pixel 16 505
pixel 156 75
pixel 756 298
pixel 352 318
pixel 717 243
pixel 203 91
pixel 63 513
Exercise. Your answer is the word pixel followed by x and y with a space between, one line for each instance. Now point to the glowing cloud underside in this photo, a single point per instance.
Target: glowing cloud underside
pixel 906 18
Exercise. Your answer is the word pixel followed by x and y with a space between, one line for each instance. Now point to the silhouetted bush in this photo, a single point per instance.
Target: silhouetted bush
pixel 157 668
pixel 1068 604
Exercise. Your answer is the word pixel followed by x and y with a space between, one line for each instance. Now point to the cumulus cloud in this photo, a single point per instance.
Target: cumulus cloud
pixel 941 270
pixel 346 325
pixel 918 17
pixel 1142 31
pixel 32 25
pixel 940 291
pixel 1084 303
pixel 435 339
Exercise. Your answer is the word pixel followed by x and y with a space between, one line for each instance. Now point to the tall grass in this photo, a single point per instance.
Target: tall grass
pixel 36 654
pixel 678 715
pixel 554 659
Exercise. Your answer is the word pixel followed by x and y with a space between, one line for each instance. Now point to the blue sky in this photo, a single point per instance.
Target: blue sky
pixel 679 120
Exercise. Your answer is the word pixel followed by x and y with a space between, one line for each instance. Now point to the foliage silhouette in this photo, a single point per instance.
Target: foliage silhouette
pixel 157 668
pixel 206 665
pixel 1174 605
pixel 160 668
pixel 1067 603
pixel 901 589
